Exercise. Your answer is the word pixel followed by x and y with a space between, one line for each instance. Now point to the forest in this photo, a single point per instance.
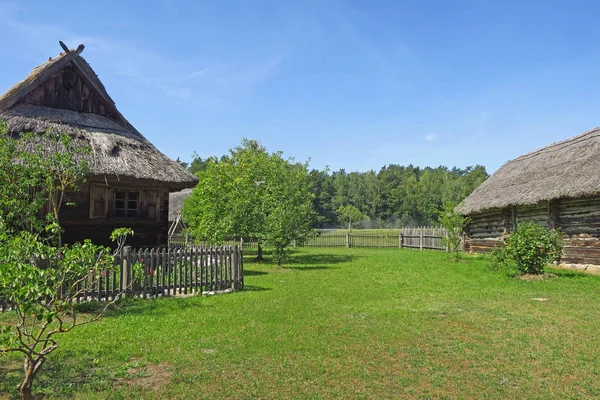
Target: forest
pixel 395 196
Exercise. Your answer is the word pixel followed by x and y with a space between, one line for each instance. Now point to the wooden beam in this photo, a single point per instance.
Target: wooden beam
pixel 64 46
pixel 79 49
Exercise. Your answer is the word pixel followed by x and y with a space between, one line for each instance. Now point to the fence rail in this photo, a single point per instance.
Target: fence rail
pixel 165 272
pixel 413 238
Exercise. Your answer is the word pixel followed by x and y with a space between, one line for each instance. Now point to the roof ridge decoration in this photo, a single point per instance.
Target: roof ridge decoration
pixel 118 149
pixel 44 71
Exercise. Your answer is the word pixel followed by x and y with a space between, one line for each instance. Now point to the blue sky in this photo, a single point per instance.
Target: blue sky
pixel 348 84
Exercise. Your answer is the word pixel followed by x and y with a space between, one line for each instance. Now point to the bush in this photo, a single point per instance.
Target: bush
pixel 530 249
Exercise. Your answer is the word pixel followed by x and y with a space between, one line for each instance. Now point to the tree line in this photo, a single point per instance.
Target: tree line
pixel 395 196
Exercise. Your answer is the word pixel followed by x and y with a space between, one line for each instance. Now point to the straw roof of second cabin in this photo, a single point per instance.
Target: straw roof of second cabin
pixel 176 202
pixel 118 150
pixel 566 169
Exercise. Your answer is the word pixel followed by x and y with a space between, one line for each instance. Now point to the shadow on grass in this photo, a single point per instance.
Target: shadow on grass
pixel 298 261
pixel 308 268
pixel 60 377
pixel 11 373
pixel 253 288
pixel 566 273
pixel 254 273
pixel 155 306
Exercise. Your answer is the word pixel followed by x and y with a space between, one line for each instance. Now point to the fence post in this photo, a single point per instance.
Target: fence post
pixel 400 240
pixel 420 238
pixel 447 246
pixel 241 242
pixel 232 253
pixel 294 244
pixel 125 278
pixel 347 239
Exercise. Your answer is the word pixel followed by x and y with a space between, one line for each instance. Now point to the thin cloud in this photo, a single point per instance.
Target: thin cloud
pixel 172 77
pixel 431 137
pixel 195 74
pixel 177 93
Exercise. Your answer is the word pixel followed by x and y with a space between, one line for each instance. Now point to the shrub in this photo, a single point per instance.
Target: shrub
pixel 454 223
pixel 530 248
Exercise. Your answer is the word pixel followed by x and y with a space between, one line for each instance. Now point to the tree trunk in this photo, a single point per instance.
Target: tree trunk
pixel 259 256
pixel 30 367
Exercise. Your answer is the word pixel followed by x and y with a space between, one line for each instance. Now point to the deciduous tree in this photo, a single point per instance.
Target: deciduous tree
pixel 40 279
pixel 252 193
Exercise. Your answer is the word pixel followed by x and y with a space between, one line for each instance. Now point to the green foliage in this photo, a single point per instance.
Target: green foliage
pixel 184 164
pixel 36 171
pixel 252 193
pixel 529 249
pixel 198 164
pixel 454 223
pixel 39 277
pixel 395 196
pixel 350 214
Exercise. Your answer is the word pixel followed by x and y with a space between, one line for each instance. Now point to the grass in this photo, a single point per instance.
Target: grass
pixel 343 323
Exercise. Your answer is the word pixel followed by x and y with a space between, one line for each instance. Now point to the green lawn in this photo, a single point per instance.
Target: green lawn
pixel 344 323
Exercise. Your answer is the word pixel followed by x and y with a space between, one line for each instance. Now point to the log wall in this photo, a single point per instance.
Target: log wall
pixel 485 231
pixel 578 219
pixel 96 221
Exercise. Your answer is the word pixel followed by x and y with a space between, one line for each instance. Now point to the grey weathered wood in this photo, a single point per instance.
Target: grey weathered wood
pixel 144 256
pixel 64 46
pixel 161 285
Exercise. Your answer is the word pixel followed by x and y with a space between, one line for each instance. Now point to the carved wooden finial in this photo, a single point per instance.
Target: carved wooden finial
pixel 79 49
pixel 64 46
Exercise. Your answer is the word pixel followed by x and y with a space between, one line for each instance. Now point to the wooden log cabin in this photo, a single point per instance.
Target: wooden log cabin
pixel 176 223
pixel 129 180
pixel 555 186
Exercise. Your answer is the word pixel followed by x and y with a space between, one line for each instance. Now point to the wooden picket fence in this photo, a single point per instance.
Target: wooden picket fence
pixel 166 272
pixel 422 238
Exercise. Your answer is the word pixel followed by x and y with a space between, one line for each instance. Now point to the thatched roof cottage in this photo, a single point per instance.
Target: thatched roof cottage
pixel 176 223
pixel 129 180
pixel 555 186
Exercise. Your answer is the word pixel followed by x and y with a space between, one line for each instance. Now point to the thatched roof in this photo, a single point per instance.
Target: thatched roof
pixel 176 202
pixel 567 169
pixel 119 151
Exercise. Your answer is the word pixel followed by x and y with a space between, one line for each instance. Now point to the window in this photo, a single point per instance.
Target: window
pixel 126 204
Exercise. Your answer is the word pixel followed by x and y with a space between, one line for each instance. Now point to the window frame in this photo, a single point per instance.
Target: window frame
pixel 126 209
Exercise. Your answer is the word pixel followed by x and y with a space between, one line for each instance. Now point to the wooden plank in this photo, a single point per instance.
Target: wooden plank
pixel 170 256
pixel 186 265
pixel 241 272
pixel 113 292
pixel 200 269
pixel 213 268
pixel 221 267
pixel 228 267
pixel 144 257
pixel 180 278
pixel 160 274
pixel 107 284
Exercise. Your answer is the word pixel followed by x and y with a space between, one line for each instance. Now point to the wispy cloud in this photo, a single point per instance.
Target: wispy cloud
pixel 177 93
pixel 195 74
pixel 191 78
pixel 431 137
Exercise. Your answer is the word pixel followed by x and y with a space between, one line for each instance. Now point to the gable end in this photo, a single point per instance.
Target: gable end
pixel 69 89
